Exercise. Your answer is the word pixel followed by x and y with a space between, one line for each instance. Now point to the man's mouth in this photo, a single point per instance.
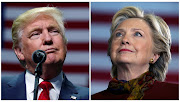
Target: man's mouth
pixel 50 50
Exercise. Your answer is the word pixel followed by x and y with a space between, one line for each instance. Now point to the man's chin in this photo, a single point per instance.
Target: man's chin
pixel 53 59
pixel 49 62
pixel 52 62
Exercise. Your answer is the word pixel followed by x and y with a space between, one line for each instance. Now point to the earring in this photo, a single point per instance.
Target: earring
pixel 151 61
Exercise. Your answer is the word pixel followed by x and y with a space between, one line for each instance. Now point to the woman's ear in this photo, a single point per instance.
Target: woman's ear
pixel 19 53
pixel 155 57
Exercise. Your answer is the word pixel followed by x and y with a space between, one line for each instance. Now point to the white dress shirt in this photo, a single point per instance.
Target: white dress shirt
pixel 53 92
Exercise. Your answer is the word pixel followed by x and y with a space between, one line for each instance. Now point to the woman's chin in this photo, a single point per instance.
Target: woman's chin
pixel 123 61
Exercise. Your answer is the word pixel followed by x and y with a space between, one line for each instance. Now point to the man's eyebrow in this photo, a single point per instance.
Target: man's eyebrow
pixel 53 26
pixel 34 29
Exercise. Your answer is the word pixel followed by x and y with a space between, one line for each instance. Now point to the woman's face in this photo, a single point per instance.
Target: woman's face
pixel 132 43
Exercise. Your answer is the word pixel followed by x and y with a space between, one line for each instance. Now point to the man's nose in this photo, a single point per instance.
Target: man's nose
pixel 47 38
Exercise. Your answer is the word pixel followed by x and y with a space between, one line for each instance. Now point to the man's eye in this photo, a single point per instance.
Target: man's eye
pixel 54 32
pixel 35 35
pixel 118 34
pixel 138 34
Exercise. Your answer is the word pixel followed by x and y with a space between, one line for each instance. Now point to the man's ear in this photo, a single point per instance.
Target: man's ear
pixel 19 53
pixel 155 57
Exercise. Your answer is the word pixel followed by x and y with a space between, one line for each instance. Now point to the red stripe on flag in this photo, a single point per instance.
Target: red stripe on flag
pixel 68 25
pixel 105 75
pixel 49 4
pixel 78 46
pixel 107 18
pixel 70 46
pixel 77 24
pixel 103 46
pixel 99 46
pixel 66 68
pixel 100 75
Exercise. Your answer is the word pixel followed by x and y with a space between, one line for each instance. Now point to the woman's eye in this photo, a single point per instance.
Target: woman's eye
pixel 138 34
pixel 118 34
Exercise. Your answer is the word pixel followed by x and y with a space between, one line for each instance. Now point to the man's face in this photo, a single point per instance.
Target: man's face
pixel 42 34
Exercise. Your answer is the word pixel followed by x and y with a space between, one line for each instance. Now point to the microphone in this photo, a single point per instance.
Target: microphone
pixel 39 56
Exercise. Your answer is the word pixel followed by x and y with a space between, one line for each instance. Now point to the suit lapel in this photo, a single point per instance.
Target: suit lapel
pixel 16 88
pixel 68 90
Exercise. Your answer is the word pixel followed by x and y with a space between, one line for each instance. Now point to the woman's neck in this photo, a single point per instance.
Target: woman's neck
pixel 128 71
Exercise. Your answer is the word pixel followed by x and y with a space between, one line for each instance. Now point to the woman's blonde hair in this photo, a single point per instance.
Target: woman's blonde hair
pixel 160 34
pixel 30 15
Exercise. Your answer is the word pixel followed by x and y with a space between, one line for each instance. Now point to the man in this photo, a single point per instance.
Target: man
pixel 41 29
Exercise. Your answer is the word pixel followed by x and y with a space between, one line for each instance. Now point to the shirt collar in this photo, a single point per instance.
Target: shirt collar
pixel 56 82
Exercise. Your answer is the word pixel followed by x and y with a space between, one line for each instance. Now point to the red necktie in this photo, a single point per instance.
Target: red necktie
pixel 45 85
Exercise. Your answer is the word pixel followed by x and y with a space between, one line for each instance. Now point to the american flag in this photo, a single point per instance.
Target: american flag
pixel 76 16
pixel 101 16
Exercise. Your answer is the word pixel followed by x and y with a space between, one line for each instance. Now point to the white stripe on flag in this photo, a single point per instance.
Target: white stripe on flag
pixel 70 14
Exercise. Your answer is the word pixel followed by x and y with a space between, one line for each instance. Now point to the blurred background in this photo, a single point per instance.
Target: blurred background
pixel 76 16
pixel 101 16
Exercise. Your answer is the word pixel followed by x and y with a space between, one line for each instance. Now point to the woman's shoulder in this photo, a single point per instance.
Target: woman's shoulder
pixel 99 95
pixel 160 90
pixel 166 85
pixel 107 95
pixel 163 90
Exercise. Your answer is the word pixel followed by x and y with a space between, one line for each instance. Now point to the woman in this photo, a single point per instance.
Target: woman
pixel 139 48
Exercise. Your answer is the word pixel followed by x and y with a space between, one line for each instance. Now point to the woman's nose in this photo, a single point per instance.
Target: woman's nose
pixel 125 40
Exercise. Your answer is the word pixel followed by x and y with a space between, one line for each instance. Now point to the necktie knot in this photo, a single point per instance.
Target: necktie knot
pixel 45 85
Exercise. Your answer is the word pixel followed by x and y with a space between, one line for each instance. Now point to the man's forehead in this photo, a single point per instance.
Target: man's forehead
pixel 38 23
pixel 42 17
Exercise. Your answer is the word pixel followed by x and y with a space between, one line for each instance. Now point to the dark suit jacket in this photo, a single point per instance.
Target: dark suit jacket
pixel 15 89
pixel 160 90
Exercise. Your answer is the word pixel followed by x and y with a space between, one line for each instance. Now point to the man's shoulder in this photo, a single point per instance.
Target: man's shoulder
pixel 10 79
pixel 81 89
pixel 13 87
pixel 69 88
pixel 77 87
